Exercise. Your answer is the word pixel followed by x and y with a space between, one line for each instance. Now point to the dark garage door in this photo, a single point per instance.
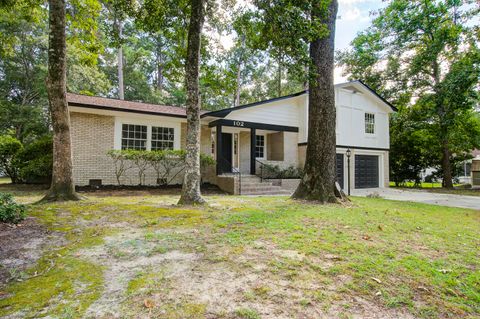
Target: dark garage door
pixel 366 171
pixel 339 167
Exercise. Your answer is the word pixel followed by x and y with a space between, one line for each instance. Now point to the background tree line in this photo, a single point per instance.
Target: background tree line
pixel 423 56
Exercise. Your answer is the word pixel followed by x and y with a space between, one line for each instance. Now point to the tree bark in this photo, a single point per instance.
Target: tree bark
pixel 446 166
pixel 121 86
pixel 318 181
pixel 191 182
pixel 159 64
pixel 62 187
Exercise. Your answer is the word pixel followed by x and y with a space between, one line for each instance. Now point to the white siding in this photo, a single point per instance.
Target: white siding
pixel 284 112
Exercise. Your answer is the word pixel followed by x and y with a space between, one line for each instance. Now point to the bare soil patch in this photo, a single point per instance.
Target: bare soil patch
pixel 22 245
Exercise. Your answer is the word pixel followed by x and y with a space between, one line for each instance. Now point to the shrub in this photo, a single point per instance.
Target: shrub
pixel 9 148
pixel 166 162
pixel 10 211
pixel 35 161
pixel 122 165
pixel 275 171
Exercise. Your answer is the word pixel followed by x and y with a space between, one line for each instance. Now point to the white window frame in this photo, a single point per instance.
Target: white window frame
pixel 368 124
pixel 157 122
pixel 162 140
pixel 264 146
pixel 134 138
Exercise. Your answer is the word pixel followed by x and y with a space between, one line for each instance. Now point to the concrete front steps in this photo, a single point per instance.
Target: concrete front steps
pixel 253 185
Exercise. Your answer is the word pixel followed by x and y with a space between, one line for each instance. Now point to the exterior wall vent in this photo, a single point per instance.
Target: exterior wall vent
pixel 94 182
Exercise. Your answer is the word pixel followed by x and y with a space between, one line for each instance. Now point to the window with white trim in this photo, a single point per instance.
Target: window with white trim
pixel 134 137
pixel 162 138
pixel 369 123
pixel 259 146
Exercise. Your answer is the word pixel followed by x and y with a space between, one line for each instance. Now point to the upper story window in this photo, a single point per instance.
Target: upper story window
pixel 162 138
pixel 259 146
pixel 369 123
pixel 134 137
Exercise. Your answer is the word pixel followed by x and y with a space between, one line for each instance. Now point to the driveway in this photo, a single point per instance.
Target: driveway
pixel 419 196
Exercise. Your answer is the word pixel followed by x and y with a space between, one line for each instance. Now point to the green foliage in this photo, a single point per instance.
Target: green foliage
pixel 167 164
pixel 275 171
pixel 10 211
pixel 424 57
pixel 9 148
pixel 35 161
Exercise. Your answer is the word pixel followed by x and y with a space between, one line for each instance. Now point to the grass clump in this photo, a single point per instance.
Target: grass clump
pixel 247 313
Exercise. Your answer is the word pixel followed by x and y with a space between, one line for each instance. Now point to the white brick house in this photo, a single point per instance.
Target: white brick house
pixel 240 138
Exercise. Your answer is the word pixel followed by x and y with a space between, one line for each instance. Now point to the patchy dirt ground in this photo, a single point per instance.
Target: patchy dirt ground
pixel 21 246
pixel 140 256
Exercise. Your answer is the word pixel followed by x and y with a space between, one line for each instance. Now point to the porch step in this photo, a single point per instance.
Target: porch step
pixel 253 185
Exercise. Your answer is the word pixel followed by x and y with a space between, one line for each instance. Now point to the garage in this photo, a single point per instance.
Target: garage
pixel 339 169
pixel 366 171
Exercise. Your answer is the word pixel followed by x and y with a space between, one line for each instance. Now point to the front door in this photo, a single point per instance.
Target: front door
pixel 226 156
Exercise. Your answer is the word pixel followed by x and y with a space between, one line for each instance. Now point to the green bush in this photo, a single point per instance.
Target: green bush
pixel 35 161
pixel 10 211
pixel 9 148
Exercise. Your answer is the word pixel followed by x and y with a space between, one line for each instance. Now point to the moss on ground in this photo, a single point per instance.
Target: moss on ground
pixel 395 255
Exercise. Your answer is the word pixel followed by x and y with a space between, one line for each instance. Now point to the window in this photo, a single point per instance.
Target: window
pixel 259 146
pixel 134 137
pixel 162 138
pixel 369 123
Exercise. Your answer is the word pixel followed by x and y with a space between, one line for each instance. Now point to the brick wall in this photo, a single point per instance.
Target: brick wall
pixel 92 137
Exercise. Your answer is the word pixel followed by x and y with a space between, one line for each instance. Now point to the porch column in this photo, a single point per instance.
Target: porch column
pixel 252 150
pixel 218 150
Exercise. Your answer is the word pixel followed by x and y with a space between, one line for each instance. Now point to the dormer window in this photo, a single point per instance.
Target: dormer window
pixel 369 123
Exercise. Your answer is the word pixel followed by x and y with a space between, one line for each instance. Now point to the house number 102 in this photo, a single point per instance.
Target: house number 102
pixel 238 123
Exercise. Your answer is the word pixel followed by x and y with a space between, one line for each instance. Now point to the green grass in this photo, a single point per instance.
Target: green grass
pixel 5 180
pixel 416 258
pixel 437 188
pixel 422 185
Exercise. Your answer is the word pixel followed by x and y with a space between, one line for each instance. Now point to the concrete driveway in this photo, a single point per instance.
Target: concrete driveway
pixel 426 197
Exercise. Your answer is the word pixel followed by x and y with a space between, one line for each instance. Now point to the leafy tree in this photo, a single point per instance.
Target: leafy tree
pixel 192 179
pixel 62 175
pixel 425 55
pixel 9 148
pixel 302 33
pixel 23 52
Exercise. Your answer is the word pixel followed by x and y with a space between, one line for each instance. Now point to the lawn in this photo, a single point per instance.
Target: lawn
pixel 247 257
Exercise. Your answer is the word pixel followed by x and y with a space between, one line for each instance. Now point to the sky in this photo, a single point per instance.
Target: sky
pixel 353 17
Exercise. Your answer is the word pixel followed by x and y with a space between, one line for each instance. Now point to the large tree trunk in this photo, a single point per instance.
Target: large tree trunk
pixel 191 182
pixel 121 86
pixel 159 83
pixel 62 178
pixel 318 181
pixel 446 166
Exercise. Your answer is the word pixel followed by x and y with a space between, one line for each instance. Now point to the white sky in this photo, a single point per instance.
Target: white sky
pixel 353 17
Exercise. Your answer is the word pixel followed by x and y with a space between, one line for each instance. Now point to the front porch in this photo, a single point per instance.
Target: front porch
pixel 240 147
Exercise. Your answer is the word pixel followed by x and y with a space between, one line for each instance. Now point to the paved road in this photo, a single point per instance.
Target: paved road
pixel 423 197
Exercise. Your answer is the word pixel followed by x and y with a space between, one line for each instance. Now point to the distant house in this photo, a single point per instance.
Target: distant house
pixel 241 138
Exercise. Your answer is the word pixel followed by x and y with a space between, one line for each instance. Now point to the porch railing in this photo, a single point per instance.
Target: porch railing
pixel 235 171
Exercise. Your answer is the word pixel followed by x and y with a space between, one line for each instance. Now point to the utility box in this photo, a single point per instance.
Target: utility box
pixel 476 172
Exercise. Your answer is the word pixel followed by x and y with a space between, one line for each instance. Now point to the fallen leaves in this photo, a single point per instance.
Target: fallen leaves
pixel 376 280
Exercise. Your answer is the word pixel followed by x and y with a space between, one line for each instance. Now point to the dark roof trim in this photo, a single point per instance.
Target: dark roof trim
pixel 108 108
pixel 377 95
pixel 225 112
pixel 354 147
pixel 254 125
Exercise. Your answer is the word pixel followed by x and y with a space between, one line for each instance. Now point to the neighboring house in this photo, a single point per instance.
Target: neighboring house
pixel 240 138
